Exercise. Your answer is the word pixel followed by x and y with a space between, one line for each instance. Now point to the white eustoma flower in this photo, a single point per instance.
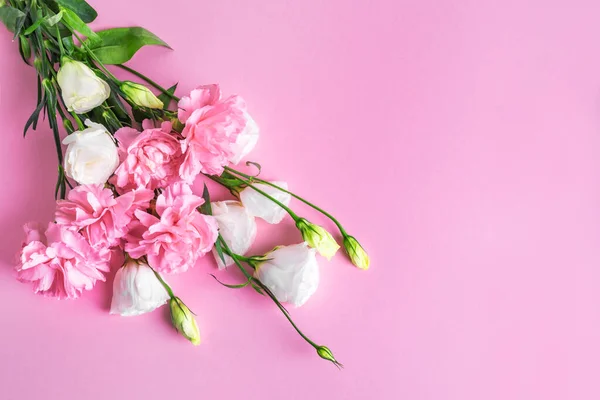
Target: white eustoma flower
pixel 262 207
pixel 236 226
pixel 246 141
pixel 81 89
pixel 91 156
pixel 136 290
pixel 290 272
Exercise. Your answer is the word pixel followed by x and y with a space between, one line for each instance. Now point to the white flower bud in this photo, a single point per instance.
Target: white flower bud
pixel 236 226
pixel 91 156
pixel 81 89
pixel 290 272
pixel 136 290
pixel 262 207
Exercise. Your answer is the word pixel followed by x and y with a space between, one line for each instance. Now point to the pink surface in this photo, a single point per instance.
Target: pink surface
pixel 459 141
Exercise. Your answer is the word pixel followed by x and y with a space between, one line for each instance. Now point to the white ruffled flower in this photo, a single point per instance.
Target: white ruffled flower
pixel 246 141
pixel 291 273
pixel 136 290
pixel 81 89
pixel 91 156
pixel 236 226
pixel 262 207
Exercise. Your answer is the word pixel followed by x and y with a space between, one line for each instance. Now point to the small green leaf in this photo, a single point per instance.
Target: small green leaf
pixel 257 288
pixel 11 17
pixel 55 19
pixel 167 99
pixel 219 250
pixel 256 165
pixel 241 285
pixel 118 45
pixel 81 8
pixel 206 208
pixel 73 20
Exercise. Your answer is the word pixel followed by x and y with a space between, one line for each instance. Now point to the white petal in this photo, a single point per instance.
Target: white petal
pixel 136 290
pixel 262 207
pixel 236 226
pixel 292 273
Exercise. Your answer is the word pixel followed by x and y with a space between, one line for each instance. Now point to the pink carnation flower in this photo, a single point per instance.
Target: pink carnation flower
pixel 60 262
pixel 101 218
pixel 212 128
pixel 175 239
pixel 150 159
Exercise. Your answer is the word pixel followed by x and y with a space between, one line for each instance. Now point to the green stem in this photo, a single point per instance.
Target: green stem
pixel 149 81
pixel 331 217
pixel 80 125
pixel 248 183
pixel 165 284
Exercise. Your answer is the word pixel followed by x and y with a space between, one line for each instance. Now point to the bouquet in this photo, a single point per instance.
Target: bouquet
pixel 125 169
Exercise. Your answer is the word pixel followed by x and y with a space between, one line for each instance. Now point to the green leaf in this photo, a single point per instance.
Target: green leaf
pixel 34 117
pixel 55 19
pixel 206 208
pixel 118 45
pixel 167 99
pixel 241 285
pixel 11 17
pixel 73 20
pixel 81 8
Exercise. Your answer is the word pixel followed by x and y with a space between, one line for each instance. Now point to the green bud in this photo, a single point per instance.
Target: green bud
pixel 140 95
pixel 183 320
pixel 37 63
pixel 111 121
pixel 25 48
pixel 317 237
pixel 326 354
pixel 357 254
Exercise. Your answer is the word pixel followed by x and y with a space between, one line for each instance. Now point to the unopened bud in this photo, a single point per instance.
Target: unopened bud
pixel 317 237
pixel 355 251
pixel 140 95
pixel 183 320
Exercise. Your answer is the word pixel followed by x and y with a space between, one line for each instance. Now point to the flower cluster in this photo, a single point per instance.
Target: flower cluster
pixel 131 164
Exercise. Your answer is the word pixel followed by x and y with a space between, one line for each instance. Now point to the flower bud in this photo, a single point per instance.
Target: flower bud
pixel 326 354
pixel 357 254
pixel 183 320
pixel 317 237
pixel 82 90
pixel 140 95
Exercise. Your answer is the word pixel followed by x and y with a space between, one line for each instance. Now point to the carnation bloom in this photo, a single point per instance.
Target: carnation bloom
pixel 101 218
pixel 150 159
pixel 60 262
pixel 212 129
pixel 175 239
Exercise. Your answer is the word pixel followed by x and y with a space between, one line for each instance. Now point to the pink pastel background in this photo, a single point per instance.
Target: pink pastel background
pixel 458 140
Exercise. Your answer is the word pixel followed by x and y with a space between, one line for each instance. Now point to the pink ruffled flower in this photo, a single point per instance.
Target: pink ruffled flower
pixel 60 262
pixel 174 241
pixel 212 129
pixel 150 159
pixel 102 219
